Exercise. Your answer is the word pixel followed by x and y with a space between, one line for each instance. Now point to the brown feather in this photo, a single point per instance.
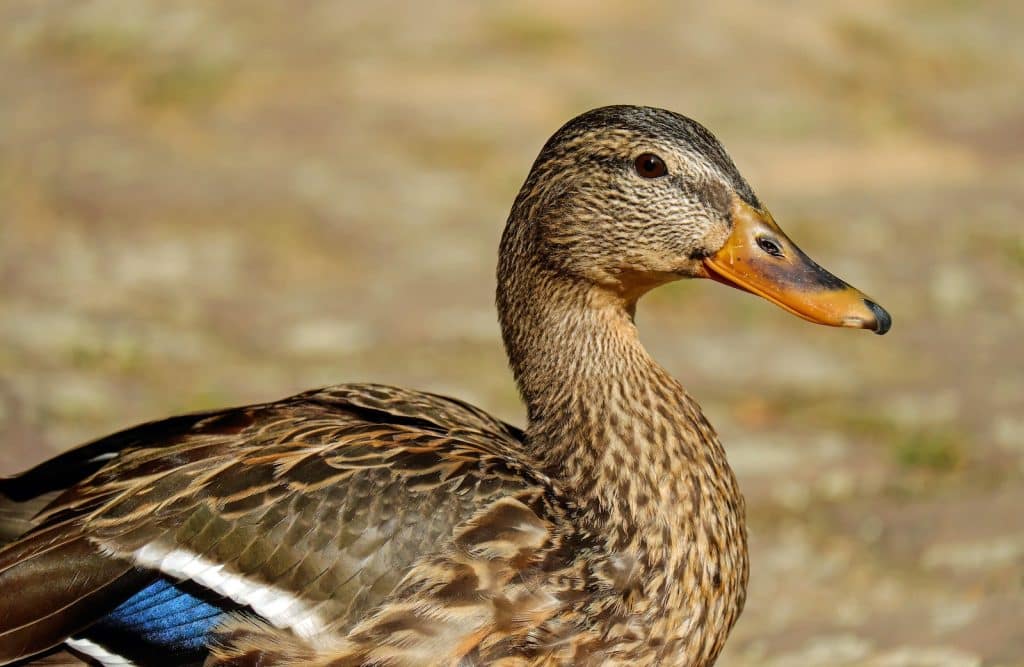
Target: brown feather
pixel 372 525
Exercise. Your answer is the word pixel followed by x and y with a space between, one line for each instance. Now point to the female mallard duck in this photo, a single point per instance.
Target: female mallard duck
pixel 369 525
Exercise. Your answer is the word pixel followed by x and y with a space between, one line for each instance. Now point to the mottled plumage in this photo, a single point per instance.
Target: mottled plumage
pixel 371 525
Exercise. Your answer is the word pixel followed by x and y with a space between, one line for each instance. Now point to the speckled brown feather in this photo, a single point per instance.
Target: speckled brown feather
pixel 369 525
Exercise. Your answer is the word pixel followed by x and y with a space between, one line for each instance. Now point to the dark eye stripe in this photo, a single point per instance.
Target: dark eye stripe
pixel 650 165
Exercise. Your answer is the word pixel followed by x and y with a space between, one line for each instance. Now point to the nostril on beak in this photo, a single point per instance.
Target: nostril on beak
pixel 883 321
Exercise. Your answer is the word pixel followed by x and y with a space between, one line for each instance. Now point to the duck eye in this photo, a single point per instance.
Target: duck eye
pixel 769 246
pixel 650 165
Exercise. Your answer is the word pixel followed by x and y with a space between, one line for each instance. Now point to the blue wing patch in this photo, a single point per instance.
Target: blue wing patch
pixel 166 623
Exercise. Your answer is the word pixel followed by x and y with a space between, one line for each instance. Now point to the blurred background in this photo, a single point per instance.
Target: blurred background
pixel 207 204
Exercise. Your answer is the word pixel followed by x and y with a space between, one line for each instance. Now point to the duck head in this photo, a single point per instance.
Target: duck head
pixel 627 198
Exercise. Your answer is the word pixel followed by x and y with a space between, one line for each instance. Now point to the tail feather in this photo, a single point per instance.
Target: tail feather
pixel 17 518
pixel 58 658
pixel 63 583
pixel 63 586
pixel 24 496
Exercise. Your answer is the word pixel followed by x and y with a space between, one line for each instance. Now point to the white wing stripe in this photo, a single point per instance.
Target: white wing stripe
pixel 98 653
pixel 279 607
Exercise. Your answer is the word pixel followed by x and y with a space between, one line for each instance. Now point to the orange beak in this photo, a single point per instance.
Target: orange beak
pixel 759 258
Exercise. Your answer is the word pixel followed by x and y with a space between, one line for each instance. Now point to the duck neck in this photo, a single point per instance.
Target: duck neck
pixel 642 464
pixel 605 419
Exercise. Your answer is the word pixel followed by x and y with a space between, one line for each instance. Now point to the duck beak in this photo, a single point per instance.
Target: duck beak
pixel 759 258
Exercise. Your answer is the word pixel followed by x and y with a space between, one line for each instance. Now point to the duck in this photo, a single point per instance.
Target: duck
pixel 370 525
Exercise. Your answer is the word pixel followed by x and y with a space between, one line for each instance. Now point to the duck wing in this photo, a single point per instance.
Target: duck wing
pixel 303 514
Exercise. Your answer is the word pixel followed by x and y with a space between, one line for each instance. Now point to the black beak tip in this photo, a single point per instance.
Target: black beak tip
pixel 883 321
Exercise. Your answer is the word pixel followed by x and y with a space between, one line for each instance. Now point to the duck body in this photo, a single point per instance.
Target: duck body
pixel 315 513
pixel 370 525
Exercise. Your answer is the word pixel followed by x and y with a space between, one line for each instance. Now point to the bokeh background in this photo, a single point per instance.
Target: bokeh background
pixel 206 204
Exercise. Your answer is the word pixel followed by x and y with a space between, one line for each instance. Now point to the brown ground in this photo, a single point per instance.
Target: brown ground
pixel 205 204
